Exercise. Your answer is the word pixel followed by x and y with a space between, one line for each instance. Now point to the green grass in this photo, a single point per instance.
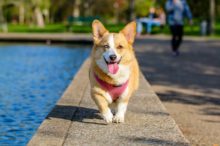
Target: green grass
pixel 188 30
pixel 86 28
pixel 56 28
pixel 33 29
pixel 217 29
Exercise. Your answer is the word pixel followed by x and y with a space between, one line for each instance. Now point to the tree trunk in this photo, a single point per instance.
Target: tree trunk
pixel 21 14
pixel 3 23
pixel 76 9
pixel 212 16
pixel 1 15
pixel 46 13
pixel 39 17
pixel 116 11
pixel 131 10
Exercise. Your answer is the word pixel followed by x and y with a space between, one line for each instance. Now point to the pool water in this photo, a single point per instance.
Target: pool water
pixel 32 79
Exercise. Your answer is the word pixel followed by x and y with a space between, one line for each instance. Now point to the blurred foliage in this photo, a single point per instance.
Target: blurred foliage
pixel 142 7
pixel 103 8
pixel 31 14
pixel 60 10
pixel 198 7
pixel 24 11
pixel 107 10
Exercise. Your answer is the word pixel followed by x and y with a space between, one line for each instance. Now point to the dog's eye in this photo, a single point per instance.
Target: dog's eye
pixel 120 47
pixel 106 46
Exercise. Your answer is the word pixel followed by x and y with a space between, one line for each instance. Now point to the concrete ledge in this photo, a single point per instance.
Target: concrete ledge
pixel 76 121
pixel 77 38
pixel 46 38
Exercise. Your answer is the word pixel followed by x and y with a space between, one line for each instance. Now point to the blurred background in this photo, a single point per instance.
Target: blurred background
pixel 77 15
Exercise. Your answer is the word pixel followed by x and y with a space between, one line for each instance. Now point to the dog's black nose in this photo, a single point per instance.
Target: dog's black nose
pixel 113 57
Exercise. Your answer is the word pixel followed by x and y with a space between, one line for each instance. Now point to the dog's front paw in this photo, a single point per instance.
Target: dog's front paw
pixel 108 116
pixel 118 118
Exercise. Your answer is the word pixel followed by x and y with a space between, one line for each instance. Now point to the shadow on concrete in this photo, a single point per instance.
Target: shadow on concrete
pixel 215 111
pixel 170 96
pixel 193 78
pixel 212 121
pixel 197 69
pixel 157 113
pixel 155 141
pixel 75 113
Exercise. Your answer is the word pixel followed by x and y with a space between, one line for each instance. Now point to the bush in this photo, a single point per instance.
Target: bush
pixel 56 28
pixel 86 28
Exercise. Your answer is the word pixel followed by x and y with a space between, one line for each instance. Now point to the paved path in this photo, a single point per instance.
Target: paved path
pixel 188 85
pixel 75 120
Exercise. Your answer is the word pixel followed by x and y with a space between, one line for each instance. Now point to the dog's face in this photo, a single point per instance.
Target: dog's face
pixel 113 50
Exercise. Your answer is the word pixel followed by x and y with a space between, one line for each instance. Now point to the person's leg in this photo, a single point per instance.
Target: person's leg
pixel 139 27
pixel 173 40
pixel 149 26
pixel 179 31
pixel 140 23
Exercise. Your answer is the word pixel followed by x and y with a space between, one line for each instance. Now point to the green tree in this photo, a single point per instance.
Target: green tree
pixel 61 9
pixel 212 16
pixel 142 7
pixel 40 9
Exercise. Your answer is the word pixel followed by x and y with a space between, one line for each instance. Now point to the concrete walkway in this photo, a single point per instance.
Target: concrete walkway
pixel 75 120
pixel 188 85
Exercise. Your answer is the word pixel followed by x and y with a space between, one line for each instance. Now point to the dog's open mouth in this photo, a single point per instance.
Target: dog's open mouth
pixel 113 66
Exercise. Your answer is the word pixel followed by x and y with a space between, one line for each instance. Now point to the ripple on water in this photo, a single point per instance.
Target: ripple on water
pixel 32 80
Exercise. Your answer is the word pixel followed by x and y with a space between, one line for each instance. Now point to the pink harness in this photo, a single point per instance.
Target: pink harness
pixel 114 91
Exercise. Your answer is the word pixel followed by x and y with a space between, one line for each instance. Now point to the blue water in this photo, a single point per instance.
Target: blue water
pixel 32 78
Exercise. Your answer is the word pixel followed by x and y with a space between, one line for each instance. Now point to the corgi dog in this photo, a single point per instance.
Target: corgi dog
pixel 114 70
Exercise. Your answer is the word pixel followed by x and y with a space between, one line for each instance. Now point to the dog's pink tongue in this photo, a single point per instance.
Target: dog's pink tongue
pixel 113 68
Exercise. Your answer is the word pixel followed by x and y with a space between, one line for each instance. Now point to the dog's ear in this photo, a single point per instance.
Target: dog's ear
pixel 129 31
pixel 98 30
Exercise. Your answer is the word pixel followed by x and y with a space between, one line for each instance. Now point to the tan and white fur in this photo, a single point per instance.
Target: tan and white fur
pixel 120 46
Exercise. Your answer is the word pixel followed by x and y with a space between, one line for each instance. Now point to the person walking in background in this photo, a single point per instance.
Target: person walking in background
pixel 176 11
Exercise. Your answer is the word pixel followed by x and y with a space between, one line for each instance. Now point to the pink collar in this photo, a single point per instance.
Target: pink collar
pixel 113 90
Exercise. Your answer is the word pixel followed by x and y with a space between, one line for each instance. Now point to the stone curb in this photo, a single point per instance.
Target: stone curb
pixel 52 131
pixel 46 38
pixel 79 38
pixel 75 120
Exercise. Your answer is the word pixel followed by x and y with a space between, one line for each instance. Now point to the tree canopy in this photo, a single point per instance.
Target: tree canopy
pixel 40 12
